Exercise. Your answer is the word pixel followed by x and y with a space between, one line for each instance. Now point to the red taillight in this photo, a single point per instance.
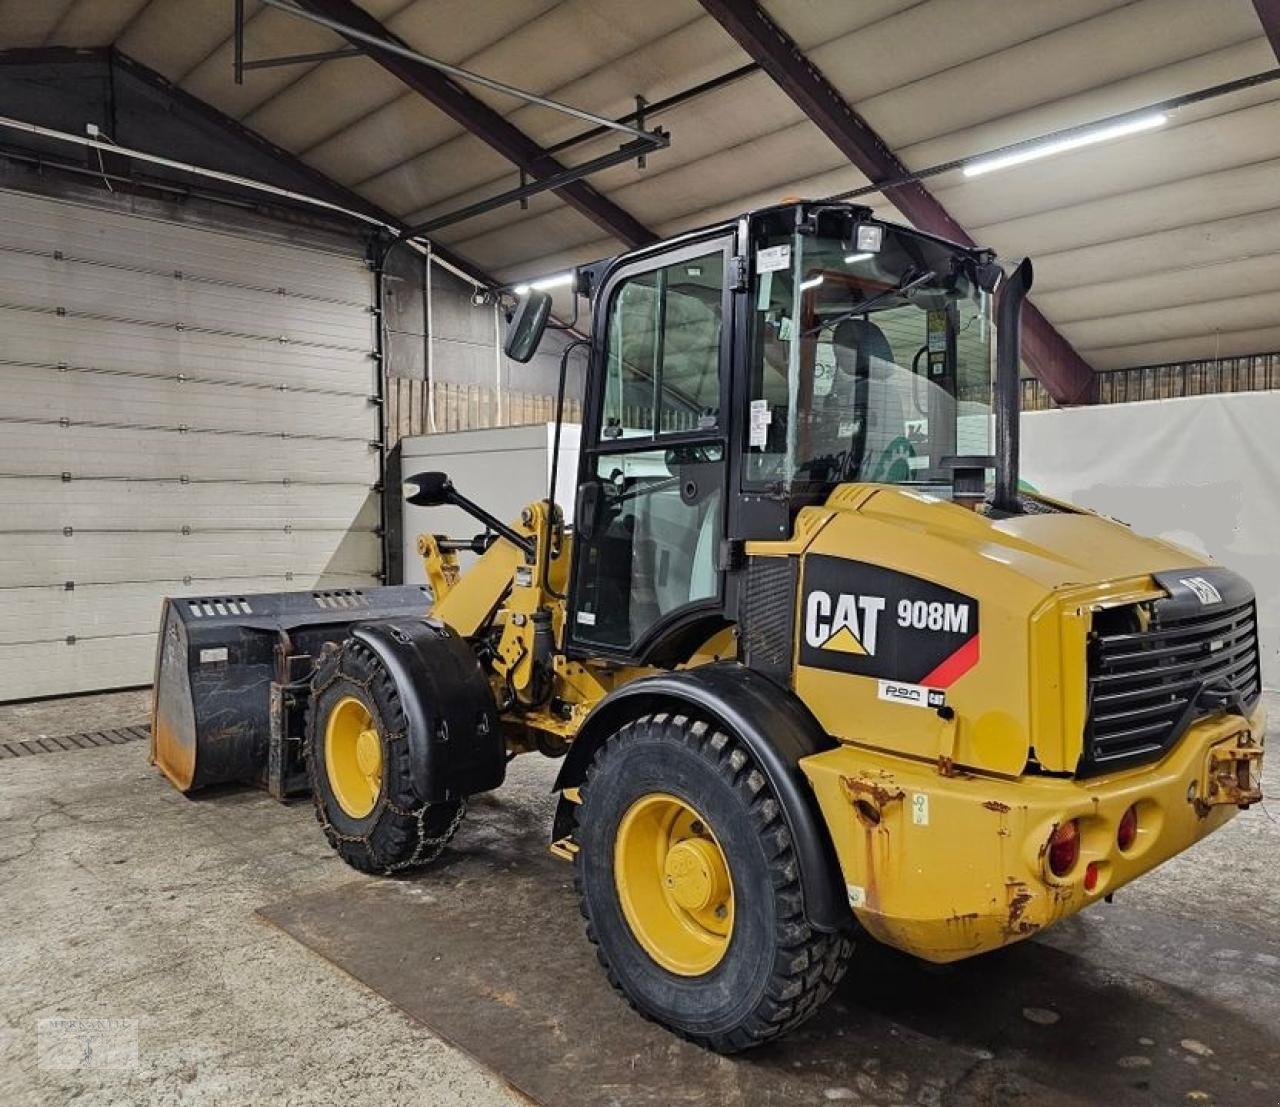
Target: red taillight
pixel 1064 848
pixel 1127 832
pixel 1091 876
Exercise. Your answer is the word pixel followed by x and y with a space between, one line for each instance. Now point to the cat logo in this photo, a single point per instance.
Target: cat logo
pixel 875 622
pixel 848 624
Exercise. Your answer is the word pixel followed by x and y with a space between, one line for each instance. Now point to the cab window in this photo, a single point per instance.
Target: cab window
pixel 662 371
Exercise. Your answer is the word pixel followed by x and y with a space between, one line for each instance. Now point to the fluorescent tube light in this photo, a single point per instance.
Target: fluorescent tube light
pixel 1061 145
pixel 812 282
pixel 854 258
pixel 558 281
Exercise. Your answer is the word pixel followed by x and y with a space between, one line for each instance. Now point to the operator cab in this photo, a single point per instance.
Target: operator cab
pixel 742 372
pixel 869 354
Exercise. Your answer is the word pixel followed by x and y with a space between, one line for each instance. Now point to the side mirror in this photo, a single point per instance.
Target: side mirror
pixel 528 322
pixel 428 489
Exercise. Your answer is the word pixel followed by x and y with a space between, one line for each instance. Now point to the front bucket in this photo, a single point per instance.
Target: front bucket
pixel 221 663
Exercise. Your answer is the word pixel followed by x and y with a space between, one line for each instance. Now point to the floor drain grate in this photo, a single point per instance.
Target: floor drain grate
pixel 66 742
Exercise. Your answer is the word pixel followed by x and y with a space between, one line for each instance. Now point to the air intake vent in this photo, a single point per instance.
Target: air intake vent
pixel 218 605
pixel 767 616
pixel 1147 686
pixel 344 598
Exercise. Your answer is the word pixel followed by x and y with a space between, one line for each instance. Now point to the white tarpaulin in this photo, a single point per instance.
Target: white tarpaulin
pixel 1203 471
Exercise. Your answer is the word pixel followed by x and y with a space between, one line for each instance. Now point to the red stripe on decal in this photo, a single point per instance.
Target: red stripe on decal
pixel 954 667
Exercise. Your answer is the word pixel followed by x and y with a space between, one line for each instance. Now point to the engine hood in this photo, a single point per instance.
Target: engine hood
pixel 1062 547
pixel 908 601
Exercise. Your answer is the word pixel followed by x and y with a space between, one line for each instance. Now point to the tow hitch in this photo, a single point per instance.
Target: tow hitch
pixel 1232 774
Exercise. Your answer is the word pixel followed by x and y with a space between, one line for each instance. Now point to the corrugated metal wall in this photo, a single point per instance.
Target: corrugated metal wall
pixel 184 412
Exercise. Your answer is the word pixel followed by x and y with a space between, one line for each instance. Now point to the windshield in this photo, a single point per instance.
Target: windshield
pixel 866 365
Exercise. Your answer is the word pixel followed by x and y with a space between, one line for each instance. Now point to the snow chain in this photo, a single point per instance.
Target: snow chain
pixel 435 845
pixel 427 849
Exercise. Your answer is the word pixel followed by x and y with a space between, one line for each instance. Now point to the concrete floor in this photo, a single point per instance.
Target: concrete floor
pixel 74 714
pixel 120 900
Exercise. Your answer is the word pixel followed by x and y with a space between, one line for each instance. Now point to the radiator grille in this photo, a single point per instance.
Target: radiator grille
pixel 1147 686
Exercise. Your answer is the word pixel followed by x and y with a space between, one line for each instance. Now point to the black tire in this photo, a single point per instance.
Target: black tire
pixel 402 831
pixel 777 970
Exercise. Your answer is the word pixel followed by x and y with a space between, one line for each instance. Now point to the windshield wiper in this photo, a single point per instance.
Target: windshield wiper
pixel 874 302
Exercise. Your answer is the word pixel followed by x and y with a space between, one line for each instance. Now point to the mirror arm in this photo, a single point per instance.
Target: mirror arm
pixel 555 458
pixel 437 490
pixel 571 325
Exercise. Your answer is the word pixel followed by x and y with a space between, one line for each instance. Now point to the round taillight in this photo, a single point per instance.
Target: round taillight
pixel 1064 848
pixel 1127 831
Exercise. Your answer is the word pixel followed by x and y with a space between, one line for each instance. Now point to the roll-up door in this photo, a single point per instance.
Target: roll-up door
pixel 183 411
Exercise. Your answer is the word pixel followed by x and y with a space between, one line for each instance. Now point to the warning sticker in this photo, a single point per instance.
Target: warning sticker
pixel 920 808
pixel 761 417
pixel 770 259
pixel 936 322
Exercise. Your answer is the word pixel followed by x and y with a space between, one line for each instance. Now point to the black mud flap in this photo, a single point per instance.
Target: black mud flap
pixel 455 739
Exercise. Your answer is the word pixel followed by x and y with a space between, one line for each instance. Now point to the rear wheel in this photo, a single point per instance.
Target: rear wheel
pixel 358 761
pixel 688 881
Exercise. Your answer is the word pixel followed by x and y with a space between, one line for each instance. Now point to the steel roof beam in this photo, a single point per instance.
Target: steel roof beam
pixel 483 122
pixel 624 153
pixel 325 185
pixel 1067 376
pixel 1269 15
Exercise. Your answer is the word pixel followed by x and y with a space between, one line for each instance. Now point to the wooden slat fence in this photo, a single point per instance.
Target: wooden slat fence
pixel 464 407
pixel 1254 373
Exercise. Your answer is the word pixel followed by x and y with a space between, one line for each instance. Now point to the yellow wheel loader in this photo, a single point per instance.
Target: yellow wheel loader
pixel 816 663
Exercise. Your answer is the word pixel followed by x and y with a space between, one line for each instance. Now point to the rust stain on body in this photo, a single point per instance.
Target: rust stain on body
pixel 173 756
pixel 882 794
pixel 1015 925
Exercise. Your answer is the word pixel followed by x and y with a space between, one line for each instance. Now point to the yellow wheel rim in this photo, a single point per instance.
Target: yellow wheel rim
pixel 353 757
pixel 673 884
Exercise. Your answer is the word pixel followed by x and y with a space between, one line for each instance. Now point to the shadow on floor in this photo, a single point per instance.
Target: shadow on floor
pixel 487 949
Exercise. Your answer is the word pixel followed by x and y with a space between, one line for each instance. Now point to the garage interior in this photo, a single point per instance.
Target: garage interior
pixel 258 260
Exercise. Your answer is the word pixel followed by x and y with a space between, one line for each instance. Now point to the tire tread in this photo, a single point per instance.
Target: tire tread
pixel 809 964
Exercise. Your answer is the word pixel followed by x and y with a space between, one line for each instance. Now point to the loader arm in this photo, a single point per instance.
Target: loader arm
pixel 471 602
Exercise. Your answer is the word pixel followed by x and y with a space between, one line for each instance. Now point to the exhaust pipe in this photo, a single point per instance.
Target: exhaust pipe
pixel 1008 385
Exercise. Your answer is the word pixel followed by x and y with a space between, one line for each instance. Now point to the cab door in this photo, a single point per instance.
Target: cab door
pixel 649 517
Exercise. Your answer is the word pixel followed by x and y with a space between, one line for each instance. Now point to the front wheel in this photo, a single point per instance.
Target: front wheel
pixel 688 881
pixel 358 760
